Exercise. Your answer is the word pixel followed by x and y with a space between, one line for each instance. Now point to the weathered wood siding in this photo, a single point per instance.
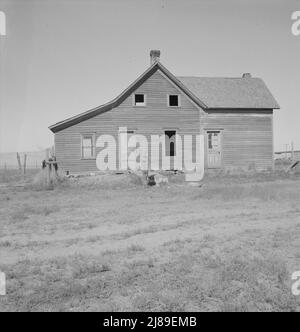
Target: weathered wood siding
pixel 247 137
pixel 152 119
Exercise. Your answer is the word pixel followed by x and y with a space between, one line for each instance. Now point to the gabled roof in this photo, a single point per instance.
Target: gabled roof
pixel 118 100
pixel 231 93
pixel 207 93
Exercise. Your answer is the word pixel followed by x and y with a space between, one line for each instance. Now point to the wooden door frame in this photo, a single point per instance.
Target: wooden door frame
pixel 214 130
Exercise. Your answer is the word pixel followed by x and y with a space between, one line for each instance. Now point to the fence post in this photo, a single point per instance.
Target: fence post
pixel 25 161
pixel 48 167
pixel 19 162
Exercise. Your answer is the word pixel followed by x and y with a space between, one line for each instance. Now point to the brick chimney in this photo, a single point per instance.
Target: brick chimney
pixel 247 75
pixel 154 56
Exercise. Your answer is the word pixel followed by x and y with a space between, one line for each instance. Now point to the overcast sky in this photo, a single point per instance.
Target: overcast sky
pixel 60 58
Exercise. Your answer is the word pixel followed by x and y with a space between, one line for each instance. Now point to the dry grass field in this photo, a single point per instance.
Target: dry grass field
pixel 108 243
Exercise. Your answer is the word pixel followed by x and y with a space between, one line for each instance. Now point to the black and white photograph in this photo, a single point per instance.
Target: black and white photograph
pixel 149 158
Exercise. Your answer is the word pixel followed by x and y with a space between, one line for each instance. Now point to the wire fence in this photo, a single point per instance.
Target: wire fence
pixel 4 166
pixel 30 160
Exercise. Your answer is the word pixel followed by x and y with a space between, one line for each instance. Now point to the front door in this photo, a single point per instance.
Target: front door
pixel 214 149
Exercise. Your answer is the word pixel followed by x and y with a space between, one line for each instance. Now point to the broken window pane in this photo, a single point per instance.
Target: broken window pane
pixel 139 100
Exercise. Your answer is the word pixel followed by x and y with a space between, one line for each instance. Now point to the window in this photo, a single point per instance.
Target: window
pixel 173 101
pixel 88 146
pixel 139 100
pixel 210 140
pixel 170 143
pixel 213 140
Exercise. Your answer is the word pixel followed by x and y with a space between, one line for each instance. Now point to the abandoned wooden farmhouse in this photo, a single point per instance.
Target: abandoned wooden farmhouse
pixel 235 115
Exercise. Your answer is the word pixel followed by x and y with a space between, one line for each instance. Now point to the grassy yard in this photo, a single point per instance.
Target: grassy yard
pixel 110 243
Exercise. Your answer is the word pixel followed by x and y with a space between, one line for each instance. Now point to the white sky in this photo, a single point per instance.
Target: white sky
pixel 60 58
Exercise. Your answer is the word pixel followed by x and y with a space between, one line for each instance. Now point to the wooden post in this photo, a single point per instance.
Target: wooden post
pixel 25 162
pixel 55 166
pixel 19 162
pixel 48 167
pixel 293 153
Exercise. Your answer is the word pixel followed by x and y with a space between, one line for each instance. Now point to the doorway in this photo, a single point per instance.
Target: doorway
pixel 214 149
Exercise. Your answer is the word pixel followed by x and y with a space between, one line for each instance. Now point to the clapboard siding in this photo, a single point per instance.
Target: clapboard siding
pixel 149 120
pixel 247 137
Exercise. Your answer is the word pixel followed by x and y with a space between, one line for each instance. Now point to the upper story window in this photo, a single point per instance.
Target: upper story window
pixel 173 100
pixel 139 99
pixel 88 150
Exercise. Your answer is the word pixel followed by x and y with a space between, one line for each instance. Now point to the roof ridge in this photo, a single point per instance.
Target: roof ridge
pixel 231 92
pixel 218 77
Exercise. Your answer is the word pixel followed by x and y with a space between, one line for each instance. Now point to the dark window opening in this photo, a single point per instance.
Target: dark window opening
pixel 172 149
pixel 173 100
pixel 210 141
pixel 139 100
pixel 170 141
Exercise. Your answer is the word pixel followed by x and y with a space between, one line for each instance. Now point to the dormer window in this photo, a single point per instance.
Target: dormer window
pixel 139 99
pixel 173 101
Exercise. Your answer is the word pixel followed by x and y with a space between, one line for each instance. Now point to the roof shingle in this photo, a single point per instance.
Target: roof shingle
pixel 228 93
